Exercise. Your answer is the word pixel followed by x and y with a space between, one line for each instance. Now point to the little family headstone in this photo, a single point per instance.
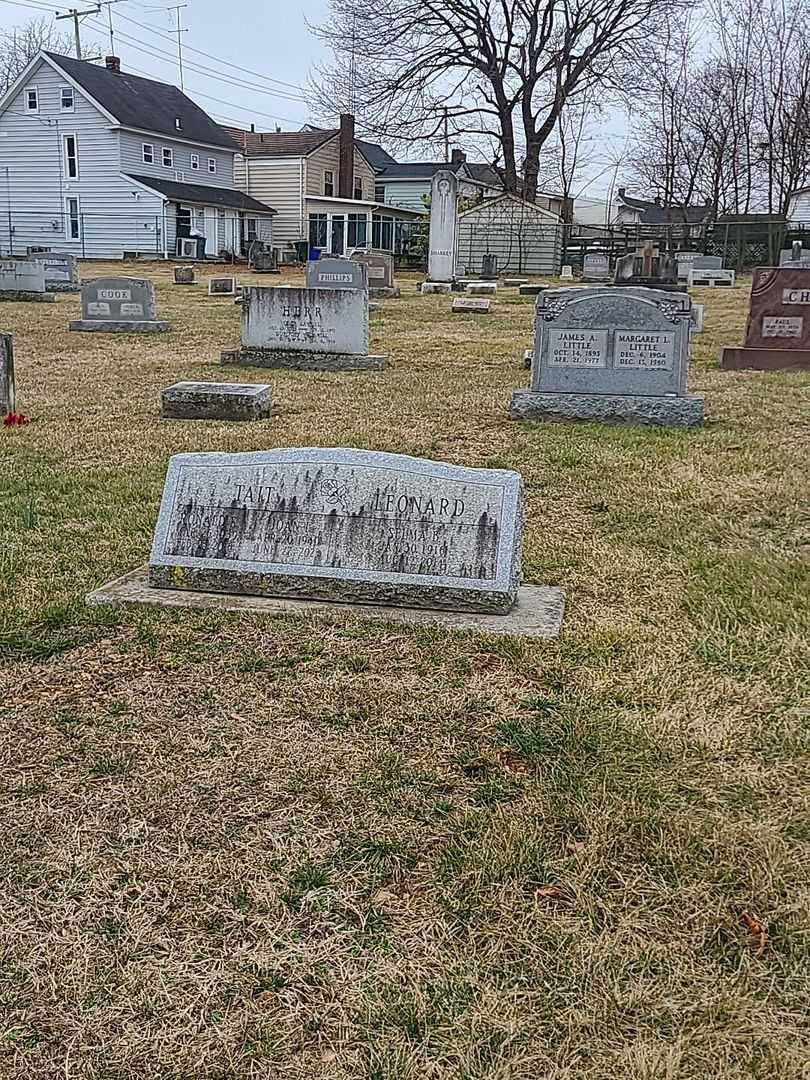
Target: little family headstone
pixel 617 355
pixel 23 280
pixel 61 270
pixel 119 305
pixel 380 267
pixel 777 335
pixel 7 396
pixel 336 274
pixel 306 329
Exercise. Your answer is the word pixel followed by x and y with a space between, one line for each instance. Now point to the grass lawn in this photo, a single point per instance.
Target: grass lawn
pixel 237 847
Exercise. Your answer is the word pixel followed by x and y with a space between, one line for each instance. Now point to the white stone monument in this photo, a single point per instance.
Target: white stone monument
pixel 443 226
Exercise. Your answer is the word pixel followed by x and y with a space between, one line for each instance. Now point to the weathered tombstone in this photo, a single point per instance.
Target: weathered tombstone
pixel 481 288
pixel 119 305
pixel 461 304
pixel 684 260
pixel 528 357
pixel 649 268
pixel 707 262
pixel 336 274
pixel 61 270
pixel 23 280
pixel 777 334
pixel 602 353
pixel 567 273
pixel 222 286
pixel 306 329
pixel 265 261
pixel 443 226
pixel 711 277
pixel 435 287
pixel 696 318
pixel 380 268
pixel 489 266
pixel 7 396
pixel 184 275
pixel 216 401
pixel 531 290
pixel 595 266
pixel 795 256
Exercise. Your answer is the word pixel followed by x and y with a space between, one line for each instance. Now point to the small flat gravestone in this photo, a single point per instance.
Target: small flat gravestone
pixel 567 273
pixel 618 355
pixel 515 282
pixel 435 287
pixel 184 275
pixel 777 335
pixel 222 286
pixel 61 271
pixel 711 276
pixel 380 268
pixel 120 305
pixel 481 288
pixel 216 401
pixel 531 290
pixel 306 329
pixel 336 274
pixel 23 280
pixel 7 397
pixel 462 304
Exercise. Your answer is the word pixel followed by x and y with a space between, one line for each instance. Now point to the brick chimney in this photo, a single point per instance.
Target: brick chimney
pixel 113 63
pixel 346 166
pixel 457 157
pixel 621 192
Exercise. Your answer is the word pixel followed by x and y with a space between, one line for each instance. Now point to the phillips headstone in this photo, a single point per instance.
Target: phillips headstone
pixel 332 273
pixel 23 280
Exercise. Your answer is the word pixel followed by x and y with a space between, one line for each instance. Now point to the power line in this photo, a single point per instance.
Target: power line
pixel 74 15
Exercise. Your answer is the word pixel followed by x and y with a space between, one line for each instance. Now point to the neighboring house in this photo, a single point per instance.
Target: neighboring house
pixel 525 237
pixel 407 183
pixel 322 185
pixel 799 207
pixel 646 212
pixel 100 164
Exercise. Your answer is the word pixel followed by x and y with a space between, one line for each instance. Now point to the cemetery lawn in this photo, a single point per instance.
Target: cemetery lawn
pixel 238 847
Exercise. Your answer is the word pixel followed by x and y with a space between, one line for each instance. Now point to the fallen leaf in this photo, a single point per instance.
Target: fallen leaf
pixel 554 892
pixel 756 929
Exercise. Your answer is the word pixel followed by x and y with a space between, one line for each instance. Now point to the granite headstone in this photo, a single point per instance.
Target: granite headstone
pixel 777 334
pixel 7 396
pixel 119 305
pixel 23 280
pixel 595 266
pixel 333 273
pixel 462 304
pixel 184 275
pixel 222 286
pixel 216 401
pixel 61 270
pixel 795 257
pixel 380 268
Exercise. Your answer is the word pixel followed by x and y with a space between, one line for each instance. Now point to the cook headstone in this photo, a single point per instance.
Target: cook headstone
pixel 119 305
pixel 61 270
pixel 777 334
pixel 443 226
pixel 307 329
pixel 216 401
pixel 618 355
pixel 336 274
pixel 23 280
pixel 380 268
pixel 7 398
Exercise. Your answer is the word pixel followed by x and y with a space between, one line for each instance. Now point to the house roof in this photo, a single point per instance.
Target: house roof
pixel 507 196
pixel 375 155
pixel 143 103
pixel 483 173
pixel 202 193
pixel 653 213
pixel 417 170
pixel 280 143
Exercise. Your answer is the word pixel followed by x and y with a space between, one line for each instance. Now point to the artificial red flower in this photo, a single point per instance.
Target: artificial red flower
pixel 15 419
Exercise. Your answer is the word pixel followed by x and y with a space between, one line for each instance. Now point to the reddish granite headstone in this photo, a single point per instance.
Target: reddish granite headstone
pixel 778 332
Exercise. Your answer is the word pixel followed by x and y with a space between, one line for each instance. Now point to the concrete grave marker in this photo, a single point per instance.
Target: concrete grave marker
pixel 222 286
pixel 711 277
pixel 443 226
pixel 7 396
pixel 595 266
pixel 380 273
pixel 619 355
pixel 795 257
pixel 216 401
pixel 307 329
pixel 531 290
pixel 23 280
pixel 777 334
pixel 184 275
pixel 567 273
pixel 61 271
pixel 435 287
pixel 332 273
pixel 119 305
pixel 461 304
pixel 481 288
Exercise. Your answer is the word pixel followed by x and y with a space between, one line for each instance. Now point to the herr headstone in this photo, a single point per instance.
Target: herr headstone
pixel 336 274
pixel 380 268
pixel 216 401
pixel 777 334
pixel 595 267
pixel 7 396
pixel 119 305
pixel 346 525
pixel 617 355
pixel 61 270
pixel 306 329
pixel 443 226
pixel 23 280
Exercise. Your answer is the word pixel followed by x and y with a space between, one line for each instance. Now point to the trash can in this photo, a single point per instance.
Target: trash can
pixel 301 250
pixel 314 254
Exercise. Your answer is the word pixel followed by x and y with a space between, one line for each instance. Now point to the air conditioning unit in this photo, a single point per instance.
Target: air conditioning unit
pixel 186 249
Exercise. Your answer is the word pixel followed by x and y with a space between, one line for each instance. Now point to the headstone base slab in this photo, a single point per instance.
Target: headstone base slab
pixel 531 290
pixel 765 359
pixel 62 287
pixel 383 292
pixel 111 327
pixel 664 411
pixel 197 401
pixel 28 297
pixel 435 287
pixel 537 611
pixel 303 361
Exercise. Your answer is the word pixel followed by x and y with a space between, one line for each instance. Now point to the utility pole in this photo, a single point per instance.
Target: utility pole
pixel 108 5
pixel 446 135
pixel 75 15
pixel 180 30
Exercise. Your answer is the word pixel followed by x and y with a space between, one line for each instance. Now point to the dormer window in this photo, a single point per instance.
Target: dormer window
pixel 31 99
pixel 178 124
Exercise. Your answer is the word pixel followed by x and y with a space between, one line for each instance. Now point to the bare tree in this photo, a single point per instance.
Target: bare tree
pixel 499 70
pixel 21 44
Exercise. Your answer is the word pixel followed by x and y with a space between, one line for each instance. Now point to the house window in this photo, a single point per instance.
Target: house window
pixel 317 230
pixel 382 233
pixel 379 193
pixel 73 221
pixel 168 157
pixel 328 182
pixel 71 157
pixel 356 231
pixel 195 161
pixel 148 153
pixel 212 164
pixel 251 229
pixel 31 99
pixel 66 98
pixel 358 188
pixel 184 221
pixel 180 176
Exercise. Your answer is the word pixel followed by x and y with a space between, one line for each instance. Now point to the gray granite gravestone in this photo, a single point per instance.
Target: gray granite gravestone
pixel 428 287
pixel 707 262
pixel 595 266
pixel 711 276
pixel 345 525
pixel 23 280
pixel 306 329
pixel 481 288
pixel 461 304
pixel 216 401
pixel 380 268
pixel 489 266
pixel 332 273
pixel 7 396
pixel 222 286
pixel 618 355
pixel 684 260
pixel 515 282
pixel 61 270
pixel 795 256
pixel 443 226
pixel 119 305
pixel 184 275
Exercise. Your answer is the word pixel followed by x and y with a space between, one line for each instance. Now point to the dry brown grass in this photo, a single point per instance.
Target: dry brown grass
pixel 239 848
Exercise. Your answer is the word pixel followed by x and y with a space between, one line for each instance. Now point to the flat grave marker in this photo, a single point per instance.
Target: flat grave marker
pixel 119 305
pixel 216 401
pixel 184 275
pixel 462 304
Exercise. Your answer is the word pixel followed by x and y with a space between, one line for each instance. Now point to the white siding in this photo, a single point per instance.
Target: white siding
pixel 277 182
pixel 116 217
pixel 799 208
pixel 524 239
pixel 132 160
pixel 408 193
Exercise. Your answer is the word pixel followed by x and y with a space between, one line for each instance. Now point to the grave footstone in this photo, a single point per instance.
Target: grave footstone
pixel 119 305
pixel 567 273
pixel 216 401
pixel 332 273
pixel 480 307
pixel 22 280
pixel 380 268
pixel 481 288
pixel 777 335
pixel 595 267
pixel 620 356
pixel 443 226
pixel 61 270
pixel 7 396
pixel 184 275
pixel 222 286
pixel 305 329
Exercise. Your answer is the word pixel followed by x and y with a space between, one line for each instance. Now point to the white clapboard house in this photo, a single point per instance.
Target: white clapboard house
pixel 101 164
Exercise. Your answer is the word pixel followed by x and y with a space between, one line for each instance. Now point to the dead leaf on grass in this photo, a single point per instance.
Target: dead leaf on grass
pixel 757 930
pixel 555 892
